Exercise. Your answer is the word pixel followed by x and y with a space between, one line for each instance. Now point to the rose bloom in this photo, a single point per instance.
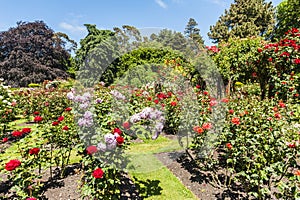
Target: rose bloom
pixel 36 113
pixel 38 119
pixel 60 118
pixel 225 100
pixel 17 134
pixel 34 151
pixel 91 150
pixel 126 125
pixel 26 130
pixel 55 123
pixel 213 102
pixel 120 140
pixel 12 164
pixel 281 105
pixel 173 103
pixel 156 101
pixel 117 130
pixel 235 120
pixel 68 109
pixel 297 173
pixel 206 126
pixel 205 93
pixel 65 128
pixel 231 111
pixel 4 139
pixel 277 115
pixel 229 146
pixel 198 129
pixel 98 173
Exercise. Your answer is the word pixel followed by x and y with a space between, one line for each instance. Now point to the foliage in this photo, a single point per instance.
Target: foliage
pixel 29 53
pixel 284 58
pixel 287 17
pixel 244 19
pixel 8 109
pixel 193 32
pixel 257 149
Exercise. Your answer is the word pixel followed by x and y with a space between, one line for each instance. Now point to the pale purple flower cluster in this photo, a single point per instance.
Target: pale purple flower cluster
pixel 83 100
pixel 150 114
pixel 118 95
pixel 87 120
pixel 110 142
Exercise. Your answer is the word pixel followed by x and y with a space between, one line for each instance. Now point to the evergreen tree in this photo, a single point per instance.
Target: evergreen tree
pixel 191 31
pixel 244 18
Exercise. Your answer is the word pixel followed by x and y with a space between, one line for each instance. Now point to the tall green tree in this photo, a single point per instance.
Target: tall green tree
pixel 243 19
pixel 32 53
pixel 287 16
pixel 191 31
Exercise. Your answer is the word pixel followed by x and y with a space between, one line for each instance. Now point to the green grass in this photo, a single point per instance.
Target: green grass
pixel 154 180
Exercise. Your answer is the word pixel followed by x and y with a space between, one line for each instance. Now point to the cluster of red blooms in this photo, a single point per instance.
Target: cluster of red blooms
pixel 213 49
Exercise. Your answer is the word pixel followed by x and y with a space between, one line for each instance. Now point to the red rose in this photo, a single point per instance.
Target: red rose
pixel 36 113
pixel 68 109
pixel 65 128
pixel 34 151
pixel 297 173
pixel 205 93
pixel 117 130
pixel 12 164
pixel 259 50
pixel 213 102
pixel 281 105
pixel 277 115
pixel 17 134
pixel 156 101
pixel 149 99
pixel 60 118
pixel 169 94
pixel 198 86
pixel 55 123
pixel 206 126
pixel 120 140
pixel 229 146
pixel 235 120
pixel 46 104
pixel 38 119
pixel 26 130
pixel 225 100
pixel 98 173
pixel 173 103
pixel 91 150
pixel 126 125
pixel 198 129
pixel 4 139
pixel 231 111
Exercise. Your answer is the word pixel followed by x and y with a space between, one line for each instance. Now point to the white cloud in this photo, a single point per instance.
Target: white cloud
pixel 161 3
pixel 219 2
pixel 72 28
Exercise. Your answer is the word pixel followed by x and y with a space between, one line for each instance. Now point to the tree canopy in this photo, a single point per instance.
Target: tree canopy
pixel 191 31
pixel 287 16
pixel 32 53
pixel 244 18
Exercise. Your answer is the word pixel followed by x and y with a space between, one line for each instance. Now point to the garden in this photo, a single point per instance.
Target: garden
pixel 132 118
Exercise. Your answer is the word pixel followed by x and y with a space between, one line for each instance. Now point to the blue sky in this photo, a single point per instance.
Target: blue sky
pixel 68 16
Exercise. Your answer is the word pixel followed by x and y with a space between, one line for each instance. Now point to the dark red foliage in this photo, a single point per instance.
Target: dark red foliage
pixel 31 53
